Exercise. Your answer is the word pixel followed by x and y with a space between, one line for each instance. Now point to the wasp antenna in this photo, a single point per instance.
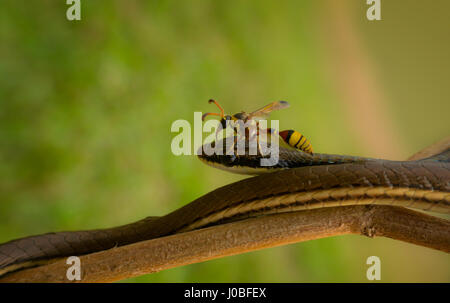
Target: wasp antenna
pixel 210 114
pixel 217 104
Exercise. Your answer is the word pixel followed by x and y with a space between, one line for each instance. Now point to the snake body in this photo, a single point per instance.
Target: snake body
pixel 300 181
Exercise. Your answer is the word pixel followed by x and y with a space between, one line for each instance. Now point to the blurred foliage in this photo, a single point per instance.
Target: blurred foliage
pixel 86 109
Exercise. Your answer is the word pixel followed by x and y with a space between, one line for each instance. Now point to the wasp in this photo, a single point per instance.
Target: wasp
pixel 292 138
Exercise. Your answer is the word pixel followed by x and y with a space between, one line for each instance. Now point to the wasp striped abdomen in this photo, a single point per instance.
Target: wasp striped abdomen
pixel 296 140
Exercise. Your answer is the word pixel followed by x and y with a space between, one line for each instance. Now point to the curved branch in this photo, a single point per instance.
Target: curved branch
pixel 244 236
pixel 432 150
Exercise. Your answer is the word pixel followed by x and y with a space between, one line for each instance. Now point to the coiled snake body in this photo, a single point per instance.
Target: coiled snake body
pixel 300 181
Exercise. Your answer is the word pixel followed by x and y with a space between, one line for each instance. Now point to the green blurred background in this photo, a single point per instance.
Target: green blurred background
pixel 86 108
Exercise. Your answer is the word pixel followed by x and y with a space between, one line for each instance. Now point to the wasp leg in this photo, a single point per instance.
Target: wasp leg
pixel 251 138
pixel 270 132
pixel 260 150
pixel 218 130
pixel 230 149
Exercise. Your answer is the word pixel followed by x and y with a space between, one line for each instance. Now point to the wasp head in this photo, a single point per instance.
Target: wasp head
pixel 224 120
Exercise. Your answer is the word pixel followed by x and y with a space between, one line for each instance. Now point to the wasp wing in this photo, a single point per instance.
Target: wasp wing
pixel 264 112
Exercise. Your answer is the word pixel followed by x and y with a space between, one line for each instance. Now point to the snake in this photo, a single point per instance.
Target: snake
pixel 298 181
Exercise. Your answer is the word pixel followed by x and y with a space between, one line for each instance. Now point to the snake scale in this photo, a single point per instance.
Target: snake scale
pixel 300 181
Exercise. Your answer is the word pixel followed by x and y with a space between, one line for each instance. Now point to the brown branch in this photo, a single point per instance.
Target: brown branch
pixel 244 236
pixel 432 150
